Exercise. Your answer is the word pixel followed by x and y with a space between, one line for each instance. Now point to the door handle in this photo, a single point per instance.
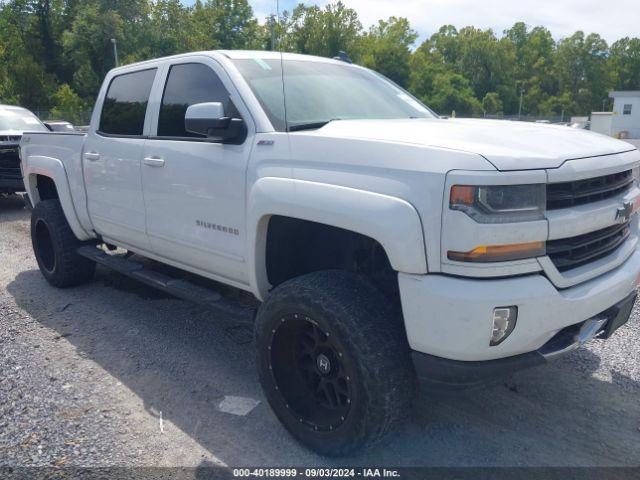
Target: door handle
pixel 153 161
pixel 92 156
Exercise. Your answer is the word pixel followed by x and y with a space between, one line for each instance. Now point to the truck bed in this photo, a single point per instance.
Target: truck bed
pixel 59 153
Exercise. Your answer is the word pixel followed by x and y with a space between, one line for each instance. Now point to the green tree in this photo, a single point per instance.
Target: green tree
pixel 47 44
pixel 486 62
pixel 87 45
pixel 453 93
pixel 624 62
pixel 386 48
pixel 225 24
pixel 491 104
pixel 324 32
pixel 580 65
pixel 68 105
pixel 533 68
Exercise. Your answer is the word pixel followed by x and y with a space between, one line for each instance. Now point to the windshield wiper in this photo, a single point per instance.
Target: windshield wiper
pixel 310 126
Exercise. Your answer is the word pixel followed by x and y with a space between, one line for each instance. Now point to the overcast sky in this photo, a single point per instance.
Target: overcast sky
pixel 611 19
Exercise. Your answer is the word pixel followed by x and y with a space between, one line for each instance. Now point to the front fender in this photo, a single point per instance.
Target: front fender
pixel 54 169
pixel 391 221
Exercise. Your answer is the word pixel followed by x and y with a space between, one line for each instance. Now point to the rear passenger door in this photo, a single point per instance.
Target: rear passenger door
pixel 111 159
pixel 194 187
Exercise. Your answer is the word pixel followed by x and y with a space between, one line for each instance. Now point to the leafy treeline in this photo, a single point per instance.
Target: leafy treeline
pixel 56 52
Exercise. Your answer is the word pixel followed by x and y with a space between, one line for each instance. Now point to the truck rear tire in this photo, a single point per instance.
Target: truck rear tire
pixel 333 361
pixel 55 246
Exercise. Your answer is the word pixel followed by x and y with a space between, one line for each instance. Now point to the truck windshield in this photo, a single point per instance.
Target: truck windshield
pixel 318 92
pixel 20 120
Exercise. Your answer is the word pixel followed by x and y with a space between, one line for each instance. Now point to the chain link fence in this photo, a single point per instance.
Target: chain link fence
pixel 528 118
pixel 77 117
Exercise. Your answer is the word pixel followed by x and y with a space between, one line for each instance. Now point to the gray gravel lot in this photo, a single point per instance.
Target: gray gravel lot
pixel 114 373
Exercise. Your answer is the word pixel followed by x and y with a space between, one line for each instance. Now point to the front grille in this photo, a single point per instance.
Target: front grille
pixel 568 253
pixel 10 163
pixel 10 138
pixel 580 192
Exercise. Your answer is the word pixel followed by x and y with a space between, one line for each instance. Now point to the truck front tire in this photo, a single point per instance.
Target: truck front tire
pixel 333 361
pixel 55 247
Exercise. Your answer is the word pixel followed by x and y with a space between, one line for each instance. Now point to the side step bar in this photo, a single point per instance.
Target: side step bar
pixel 175 286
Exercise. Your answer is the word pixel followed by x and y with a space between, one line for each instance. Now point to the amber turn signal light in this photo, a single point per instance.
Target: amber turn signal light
pixel 462 195
pixel 500 253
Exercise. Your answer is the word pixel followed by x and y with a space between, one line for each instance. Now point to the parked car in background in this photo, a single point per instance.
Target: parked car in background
pixel 60 126
pixel 13 122
pixel 581 125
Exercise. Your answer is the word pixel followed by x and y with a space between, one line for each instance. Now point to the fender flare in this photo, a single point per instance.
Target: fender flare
pixel 391 221
pixel 54 169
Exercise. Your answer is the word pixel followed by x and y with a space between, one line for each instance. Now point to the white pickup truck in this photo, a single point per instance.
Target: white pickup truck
pixel 385 244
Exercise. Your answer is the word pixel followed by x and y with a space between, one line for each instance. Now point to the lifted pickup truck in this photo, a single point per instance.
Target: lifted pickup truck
pixel 385 244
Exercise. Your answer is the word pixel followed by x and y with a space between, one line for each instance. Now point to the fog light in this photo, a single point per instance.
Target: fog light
pixel 504 321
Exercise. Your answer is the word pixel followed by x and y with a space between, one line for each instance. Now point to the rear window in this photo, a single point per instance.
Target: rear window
pixel 125 104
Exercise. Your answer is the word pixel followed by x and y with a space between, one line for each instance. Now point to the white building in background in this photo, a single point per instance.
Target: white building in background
pixel 626 114
pixel 602 122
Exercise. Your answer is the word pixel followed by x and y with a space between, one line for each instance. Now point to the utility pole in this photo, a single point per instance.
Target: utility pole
pixel 272 24
pixel 274 40
pixel 115 50
pixel 520 107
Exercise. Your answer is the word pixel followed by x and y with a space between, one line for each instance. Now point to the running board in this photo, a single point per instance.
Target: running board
pixel 175 286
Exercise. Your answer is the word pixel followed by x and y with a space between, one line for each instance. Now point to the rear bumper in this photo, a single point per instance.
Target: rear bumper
pixel 437 372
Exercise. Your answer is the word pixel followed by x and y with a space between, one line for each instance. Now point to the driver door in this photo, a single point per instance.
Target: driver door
pixel 194 188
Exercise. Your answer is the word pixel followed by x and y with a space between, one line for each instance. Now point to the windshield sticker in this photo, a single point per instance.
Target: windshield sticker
pixel 262 63
pixel 412 102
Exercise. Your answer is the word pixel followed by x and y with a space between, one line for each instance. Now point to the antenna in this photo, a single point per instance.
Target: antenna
pixel 284 92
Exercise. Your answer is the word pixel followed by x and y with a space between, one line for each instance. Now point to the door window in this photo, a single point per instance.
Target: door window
pixel 188 84
pixel 125 104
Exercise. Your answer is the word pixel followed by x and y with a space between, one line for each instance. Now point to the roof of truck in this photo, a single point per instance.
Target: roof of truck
pixel 237 55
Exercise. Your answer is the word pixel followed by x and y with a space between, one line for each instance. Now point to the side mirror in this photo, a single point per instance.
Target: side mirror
pixel 206 118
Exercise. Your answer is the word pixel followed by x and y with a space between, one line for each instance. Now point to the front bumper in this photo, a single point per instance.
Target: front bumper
pixel 451 317
pixel 10 173
pixel 436 372
pixel 11 185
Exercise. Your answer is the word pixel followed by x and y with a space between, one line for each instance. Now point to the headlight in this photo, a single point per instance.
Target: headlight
pixel 636 174
pixel 500 203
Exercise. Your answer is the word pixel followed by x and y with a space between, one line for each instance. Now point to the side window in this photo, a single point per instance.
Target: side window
pixel 188 84
pixel 627 109
pixel 125 104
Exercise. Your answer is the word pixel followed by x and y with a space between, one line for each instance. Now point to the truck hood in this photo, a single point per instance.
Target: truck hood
pixel 10 137
pixel 10 133
pixel 508 145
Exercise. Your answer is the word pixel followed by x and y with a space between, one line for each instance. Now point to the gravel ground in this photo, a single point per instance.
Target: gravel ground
pixel 116 374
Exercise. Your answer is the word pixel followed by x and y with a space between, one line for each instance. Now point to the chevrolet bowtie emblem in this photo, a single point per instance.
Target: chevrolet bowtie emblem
pixel 623 214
